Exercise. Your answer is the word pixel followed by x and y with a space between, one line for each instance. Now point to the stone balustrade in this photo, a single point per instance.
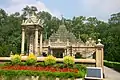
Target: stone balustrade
pixel 93 61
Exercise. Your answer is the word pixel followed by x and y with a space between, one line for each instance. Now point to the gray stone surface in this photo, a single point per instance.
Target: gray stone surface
pixel 111 74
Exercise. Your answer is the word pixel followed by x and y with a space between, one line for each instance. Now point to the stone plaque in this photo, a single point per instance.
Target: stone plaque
pixel 94 73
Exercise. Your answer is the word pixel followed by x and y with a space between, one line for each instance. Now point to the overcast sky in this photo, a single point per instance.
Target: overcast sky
pixel 102 9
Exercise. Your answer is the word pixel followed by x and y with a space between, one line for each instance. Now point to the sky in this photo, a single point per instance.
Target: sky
pixel 102 9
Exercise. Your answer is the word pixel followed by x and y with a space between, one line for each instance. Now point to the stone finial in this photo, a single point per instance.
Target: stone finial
pixel 62 19
pixel 11 53
pixel 61 16
pixel 99 40
pixel 99 43
pixel 33 10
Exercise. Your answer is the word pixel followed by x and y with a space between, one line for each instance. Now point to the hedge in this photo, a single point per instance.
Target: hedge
pixel 114 65
pixel 19 73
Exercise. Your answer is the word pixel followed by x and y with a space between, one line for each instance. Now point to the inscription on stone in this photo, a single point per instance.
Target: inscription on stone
pixel 94 73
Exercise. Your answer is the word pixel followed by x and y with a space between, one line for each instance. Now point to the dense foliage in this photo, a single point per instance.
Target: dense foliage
pixel 114 65
pixel 15 59
pixel 62 75
pixel 50 60
pixel 31 59
pixel 82 27
pixel 68 60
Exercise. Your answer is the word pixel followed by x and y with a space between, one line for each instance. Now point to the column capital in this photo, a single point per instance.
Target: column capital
pixel 23 29
pixel 36 29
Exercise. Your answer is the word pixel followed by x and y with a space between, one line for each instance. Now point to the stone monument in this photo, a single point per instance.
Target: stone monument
pixel 32 31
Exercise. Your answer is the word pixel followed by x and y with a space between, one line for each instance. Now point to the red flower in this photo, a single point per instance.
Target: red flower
pixel 33 68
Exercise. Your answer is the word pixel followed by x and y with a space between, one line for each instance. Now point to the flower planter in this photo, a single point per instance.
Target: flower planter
pixel 18 72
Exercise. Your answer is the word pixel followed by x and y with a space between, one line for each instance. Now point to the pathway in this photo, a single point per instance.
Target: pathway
pixel 111 74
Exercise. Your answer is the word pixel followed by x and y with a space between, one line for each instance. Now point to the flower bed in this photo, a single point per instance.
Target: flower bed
pixel 39 68
pixel 47 69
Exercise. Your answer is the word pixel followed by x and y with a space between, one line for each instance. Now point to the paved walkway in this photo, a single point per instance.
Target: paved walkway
pixel 111 74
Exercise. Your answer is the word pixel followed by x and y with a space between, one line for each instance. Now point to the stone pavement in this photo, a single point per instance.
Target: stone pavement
pixel 111 74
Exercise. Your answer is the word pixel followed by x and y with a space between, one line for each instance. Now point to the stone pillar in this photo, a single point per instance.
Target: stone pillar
pixel 99 55
pixel 63 54
pixel 28 42
pixel 31 44
pixel 36 41
pixel 51 52
pixel 49 43
pixel 23 41
pixel 41 42
pixel 67 50
pixel 67 42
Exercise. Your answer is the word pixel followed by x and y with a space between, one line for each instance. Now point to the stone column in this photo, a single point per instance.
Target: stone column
pixel 23 41
pixel 41 42
pixel 63 54
pixel 49 43
pixel 31 45
pixel 99 55
pixel 36 41
pixel 28 42
pixel 51 52
pixel 67 50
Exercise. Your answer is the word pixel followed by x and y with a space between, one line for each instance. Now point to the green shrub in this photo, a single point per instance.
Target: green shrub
pixel 59 65
pixel 15 59
pixel 31 59
pixel 114 65
pixel 68 60
pixel 19 73
pixel 40 64
pixel 23 64
pixel 50 60
pixel 81 67
pixel 7 63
